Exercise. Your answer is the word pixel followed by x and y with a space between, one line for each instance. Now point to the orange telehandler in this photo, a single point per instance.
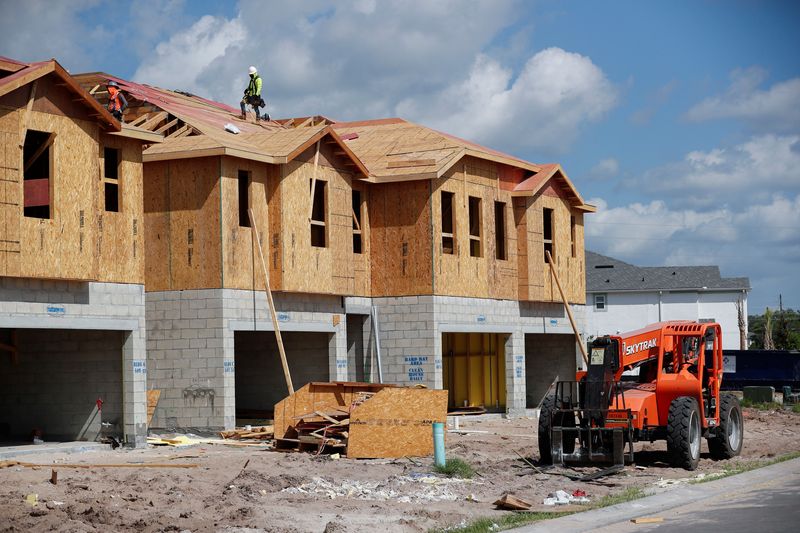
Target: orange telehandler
pixel 659 382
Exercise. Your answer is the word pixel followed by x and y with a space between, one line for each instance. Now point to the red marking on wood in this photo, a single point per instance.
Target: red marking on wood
pixel 37 192
pixel 349 136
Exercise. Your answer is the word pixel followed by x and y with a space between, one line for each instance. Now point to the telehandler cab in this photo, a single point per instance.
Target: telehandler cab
pixel 661 382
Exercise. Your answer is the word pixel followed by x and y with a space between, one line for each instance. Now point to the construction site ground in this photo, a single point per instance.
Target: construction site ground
pixel 250 489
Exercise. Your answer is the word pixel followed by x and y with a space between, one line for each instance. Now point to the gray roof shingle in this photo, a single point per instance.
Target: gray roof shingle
pixel 608 274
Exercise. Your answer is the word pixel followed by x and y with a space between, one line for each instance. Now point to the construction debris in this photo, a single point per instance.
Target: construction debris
pixel 361 420
pixel 561 497
pixel 9 464
pixel 510 502
pixel 648 520
pixel 249 433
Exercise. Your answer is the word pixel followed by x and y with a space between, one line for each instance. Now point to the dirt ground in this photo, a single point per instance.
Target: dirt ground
pixel 298 492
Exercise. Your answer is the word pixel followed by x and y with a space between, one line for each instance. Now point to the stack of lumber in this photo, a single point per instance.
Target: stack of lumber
pixel 249 433
pixel 363 420
pixel 318 431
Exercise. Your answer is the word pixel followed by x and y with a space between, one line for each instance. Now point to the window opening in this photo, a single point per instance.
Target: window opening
pixel 37 154
pixel 475 224
pixel 547 233
pixel 244 198
pixel 448 223
pixel 111 162
pixel 500 230
pixel 357 245
pixel 572 240
pixel 318 214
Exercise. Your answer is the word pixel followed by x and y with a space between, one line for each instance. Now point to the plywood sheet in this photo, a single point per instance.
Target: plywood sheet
pixel 156 226
pixel 400 239
pixel 120 235
pixel 396 422
pixel 317 396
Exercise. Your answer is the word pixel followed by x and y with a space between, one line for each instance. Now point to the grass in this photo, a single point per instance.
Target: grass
pixel 456 467
pixel 761 406
pixel 733 468
pixel 796 408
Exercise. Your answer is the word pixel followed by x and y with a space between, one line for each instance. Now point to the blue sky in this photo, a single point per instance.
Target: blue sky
pixel 679 119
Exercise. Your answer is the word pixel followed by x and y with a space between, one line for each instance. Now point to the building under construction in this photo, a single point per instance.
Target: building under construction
pixel 394 252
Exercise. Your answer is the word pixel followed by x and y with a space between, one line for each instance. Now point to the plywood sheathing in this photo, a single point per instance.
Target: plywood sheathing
pixel 460 274
pixel 182 221
pixel 396 423
pixel 307 268
pixel 317 396
pixel 241 268
pixel 120 235
pixel 400 238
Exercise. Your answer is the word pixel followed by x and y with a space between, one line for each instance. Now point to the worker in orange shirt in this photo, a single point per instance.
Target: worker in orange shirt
pixel 117 103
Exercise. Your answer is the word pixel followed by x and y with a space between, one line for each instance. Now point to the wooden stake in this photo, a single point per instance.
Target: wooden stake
pixel 54 477
pixel 566 306
pixel 313 183
pixel 271 303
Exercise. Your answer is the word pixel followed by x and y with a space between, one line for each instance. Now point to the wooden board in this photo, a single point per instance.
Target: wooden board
pixel 152 402
pixel 316 396
pixel 396 422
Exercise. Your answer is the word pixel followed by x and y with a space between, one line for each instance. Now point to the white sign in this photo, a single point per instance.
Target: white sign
pixel 729 364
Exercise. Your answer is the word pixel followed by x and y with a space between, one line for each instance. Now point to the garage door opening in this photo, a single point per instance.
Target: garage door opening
pixel 260 382
pixel 61 385
pixel 547 356
pixel 474 370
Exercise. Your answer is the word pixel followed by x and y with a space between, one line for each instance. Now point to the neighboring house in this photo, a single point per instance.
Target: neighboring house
pixel 623 297
pixel 443 239
pixel 72 333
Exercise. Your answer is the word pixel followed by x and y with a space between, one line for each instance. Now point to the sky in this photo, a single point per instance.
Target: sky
pixel 679 120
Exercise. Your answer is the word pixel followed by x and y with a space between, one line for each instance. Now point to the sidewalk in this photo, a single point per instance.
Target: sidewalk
pixel 677 502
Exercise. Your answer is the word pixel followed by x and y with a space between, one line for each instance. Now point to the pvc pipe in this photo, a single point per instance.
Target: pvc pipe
pixel 438 444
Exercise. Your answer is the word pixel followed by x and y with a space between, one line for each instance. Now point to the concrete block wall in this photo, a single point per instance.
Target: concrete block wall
pixel 192 346
pixel 547 356
pixel 411 335
pixel 55 383
pixel 36 304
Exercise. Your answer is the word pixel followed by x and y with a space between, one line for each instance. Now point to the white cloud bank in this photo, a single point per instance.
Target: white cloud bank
pixel 775 109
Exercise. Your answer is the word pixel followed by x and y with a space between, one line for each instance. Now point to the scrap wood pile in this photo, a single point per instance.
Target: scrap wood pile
pixel 248 433
pixel 321 431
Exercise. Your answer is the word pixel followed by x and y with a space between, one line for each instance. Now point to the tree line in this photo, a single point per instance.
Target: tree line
pixel 775 330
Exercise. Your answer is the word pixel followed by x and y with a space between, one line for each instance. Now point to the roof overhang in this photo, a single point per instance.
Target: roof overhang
pixel 132 132
pixel 211 152
pixel 36 71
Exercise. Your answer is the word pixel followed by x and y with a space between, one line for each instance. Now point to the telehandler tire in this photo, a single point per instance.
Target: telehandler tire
pixel 545 425
pixel 684 433
pixel 727 441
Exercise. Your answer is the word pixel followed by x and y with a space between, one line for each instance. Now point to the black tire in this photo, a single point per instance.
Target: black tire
pixel 727 441
pixel 684 432
pixel 545 425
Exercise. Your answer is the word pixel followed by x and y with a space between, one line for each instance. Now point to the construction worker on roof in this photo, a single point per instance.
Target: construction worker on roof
pixel 252 95
pixel 117 103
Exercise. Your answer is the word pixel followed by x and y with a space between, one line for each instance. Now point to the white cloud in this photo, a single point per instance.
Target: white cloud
pixel 181 61
pixel 761 241
pixel 750 171
pixel 544 107
pixel 605 169
pixel 775 109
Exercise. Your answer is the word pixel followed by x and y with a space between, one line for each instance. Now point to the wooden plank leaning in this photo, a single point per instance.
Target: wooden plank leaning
pixel 271 303
pixel 566 307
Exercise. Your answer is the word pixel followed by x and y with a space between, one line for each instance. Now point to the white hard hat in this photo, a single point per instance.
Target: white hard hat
pixel 252 69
